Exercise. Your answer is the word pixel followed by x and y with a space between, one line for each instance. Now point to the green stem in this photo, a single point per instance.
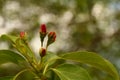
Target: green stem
pixel 34 58
pixel 41 44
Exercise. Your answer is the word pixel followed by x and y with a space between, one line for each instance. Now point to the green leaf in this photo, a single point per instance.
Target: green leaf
pixel 20 45
pixel 9 37
pixel 71 72
pixel 92 59
pixel 25 74
pixel 10 56
pixel 18 74
pixel 48 60
pixel 6 78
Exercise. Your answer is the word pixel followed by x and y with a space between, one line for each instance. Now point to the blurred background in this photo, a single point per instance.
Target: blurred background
pixel 92 25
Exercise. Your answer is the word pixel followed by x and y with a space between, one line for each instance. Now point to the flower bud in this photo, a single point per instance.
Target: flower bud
pixel 42 52
pixel 43 33
pixel 22 34
pixel 51 38
pixel 43 29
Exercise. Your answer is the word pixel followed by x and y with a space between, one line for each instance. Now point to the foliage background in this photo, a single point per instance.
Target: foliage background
pixel 92 25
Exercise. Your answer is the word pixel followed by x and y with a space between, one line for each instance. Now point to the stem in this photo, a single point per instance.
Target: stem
pixel 32 65
pixel 41 44
pixel 34 58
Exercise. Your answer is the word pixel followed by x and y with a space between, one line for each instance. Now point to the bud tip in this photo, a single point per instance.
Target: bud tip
pixel 43 29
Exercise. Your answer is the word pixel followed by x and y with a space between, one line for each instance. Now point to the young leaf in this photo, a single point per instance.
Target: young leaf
pixel 9 37
pixel 10 56
pixel 71 72
pixel 94 60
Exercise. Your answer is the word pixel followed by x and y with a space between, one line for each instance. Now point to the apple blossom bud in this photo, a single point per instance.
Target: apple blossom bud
pixel 43 33
pixel 42 52
pixel 43 29
pixel 51 38
pixel 22 34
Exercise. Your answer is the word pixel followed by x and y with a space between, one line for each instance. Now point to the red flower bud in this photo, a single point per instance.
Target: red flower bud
pixel 42 52
pixel 43 33
pixel 52 35
pixel 22 34
pixel 43 29
pixel 51 38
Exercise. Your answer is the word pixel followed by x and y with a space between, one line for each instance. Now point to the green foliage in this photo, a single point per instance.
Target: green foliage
pixel 89 33
pixel 39 69
pixel 92 59
pixel 71 72
pixel 7 56
pixel 6 78
pixel 10 38
pixel 25 74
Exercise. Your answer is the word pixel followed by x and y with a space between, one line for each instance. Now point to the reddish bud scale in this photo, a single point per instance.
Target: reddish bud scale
pixel 42 52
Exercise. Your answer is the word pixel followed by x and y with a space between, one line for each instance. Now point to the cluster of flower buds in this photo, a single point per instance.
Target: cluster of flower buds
pixel 51 39
pixel 43 33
